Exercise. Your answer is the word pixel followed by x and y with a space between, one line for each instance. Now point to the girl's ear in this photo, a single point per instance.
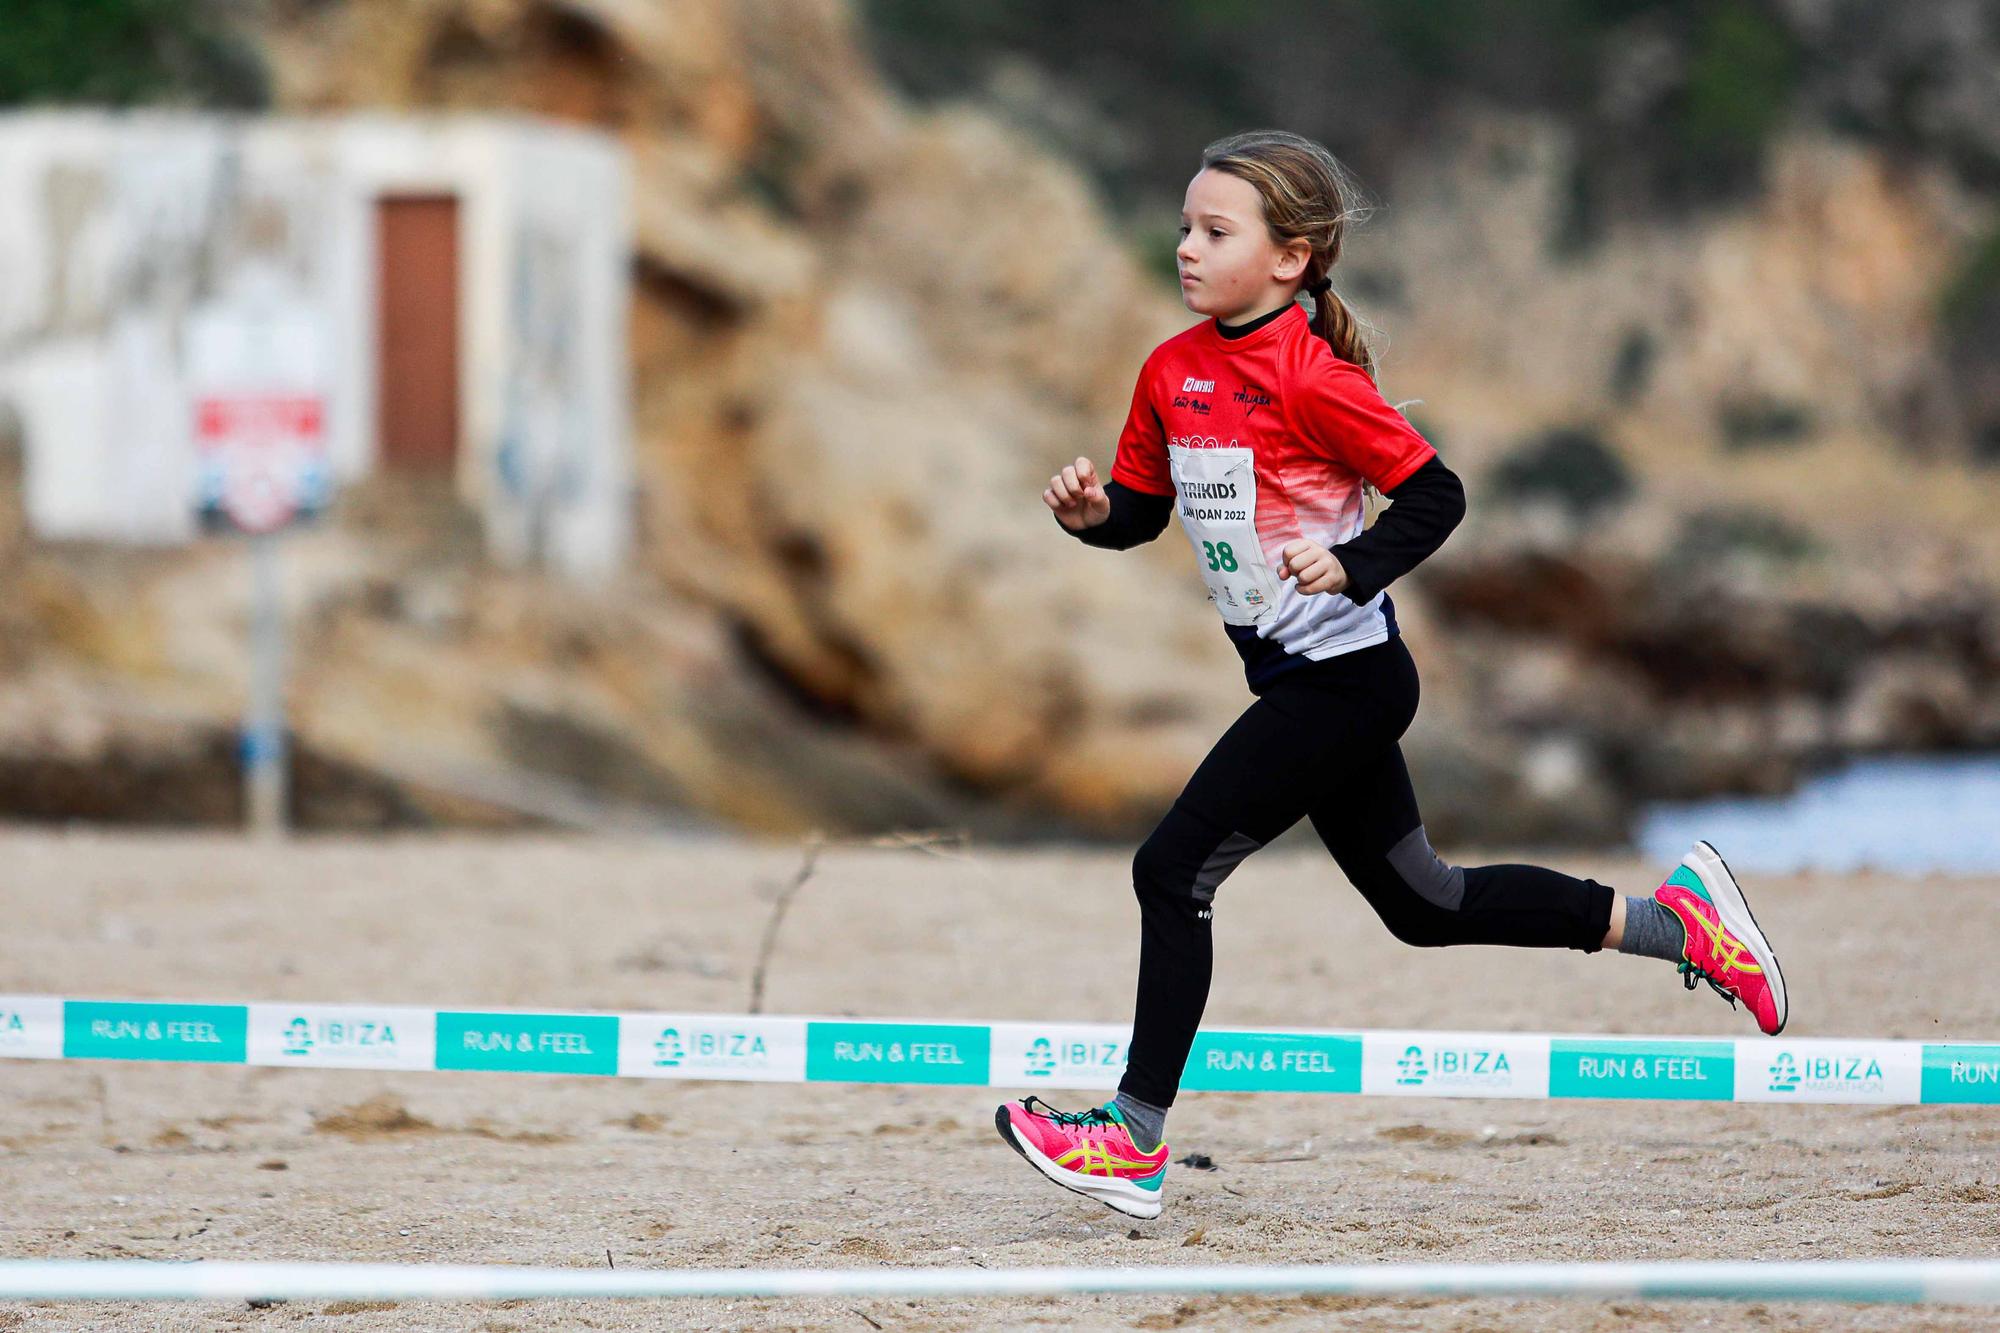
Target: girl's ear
pixel 1293 257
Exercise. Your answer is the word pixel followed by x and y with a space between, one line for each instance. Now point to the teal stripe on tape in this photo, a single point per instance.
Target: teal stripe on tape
pixel 136 1030
pixel 898 1053
pixel 1961 1073
pixel 1673 1070
pixel 1273 1062
pixel 1078 1056
pixel 528 1043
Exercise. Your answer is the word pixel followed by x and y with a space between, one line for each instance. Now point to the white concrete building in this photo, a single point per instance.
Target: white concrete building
pixel 452 291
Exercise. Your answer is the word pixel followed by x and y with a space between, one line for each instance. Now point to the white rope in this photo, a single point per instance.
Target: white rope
pixel 1904 1281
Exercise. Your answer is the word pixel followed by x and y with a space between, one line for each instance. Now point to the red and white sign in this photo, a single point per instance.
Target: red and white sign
pixel 257 375
pixel 263 456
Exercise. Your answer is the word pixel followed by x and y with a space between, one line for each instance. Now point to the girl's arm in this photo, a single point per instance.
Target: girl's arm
pixel 1428 504
pixel 1138 499
pixel 1136 518
pixel 1338 410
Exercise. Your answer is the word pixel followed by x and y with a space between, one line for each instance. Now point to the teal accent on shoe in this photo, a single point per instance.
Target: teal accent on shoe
pixel 1152 1182
pixel 1110 1108
pixel 1685 877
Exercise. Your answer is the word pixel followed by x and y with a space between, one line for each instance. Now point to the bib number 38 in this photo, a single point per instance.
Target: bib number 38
pixel 1217 494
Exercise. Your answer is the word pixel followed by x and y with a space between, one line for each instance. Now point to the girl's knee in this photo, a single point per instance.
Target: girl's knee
pixel 1151 866
pixel 1186 859
pixel 1425 930
pixel 1412 919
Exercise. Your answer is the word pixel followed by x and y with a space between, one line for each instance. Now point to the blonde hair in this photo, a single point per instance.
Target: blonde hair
pixel 1307 195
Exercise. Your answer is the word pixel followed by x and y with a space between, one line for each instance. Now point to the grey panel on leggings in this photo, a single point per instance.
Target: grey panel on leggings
pixel 1220 862
pixel 1421 869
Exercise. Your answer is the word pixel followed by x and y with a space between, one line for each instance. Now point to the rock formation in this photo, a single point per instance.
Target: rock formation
pixel 864 335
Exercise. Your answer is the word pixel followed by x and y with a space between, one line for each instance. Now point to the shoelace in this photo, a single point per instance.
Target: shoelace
pixel 1693 976
pixel 1087 1119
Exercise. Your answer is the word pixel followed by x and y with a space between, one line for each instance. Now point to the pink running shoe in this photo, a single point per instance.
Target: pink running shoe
pixel 1724 946
pixel 1090 1152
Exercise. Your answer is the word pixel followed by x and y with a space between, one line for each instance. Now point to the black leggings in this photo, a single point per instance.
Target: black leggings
pixel 1321 742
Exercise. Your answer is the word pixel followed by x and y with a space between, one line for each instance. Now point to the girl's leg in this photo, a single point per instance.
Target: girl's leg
pixel 1303 735
pixel 1371 825
pixel 1698 919
pixel 1307 732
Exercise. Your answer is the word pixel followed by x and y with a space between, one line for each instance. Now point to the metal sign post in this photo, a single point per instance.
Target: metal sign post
pixel 260 414
pixel 264 761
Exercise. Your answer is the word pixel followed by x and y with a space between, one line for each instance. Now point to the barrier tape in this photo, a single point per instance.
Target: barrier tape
pixel 1885 1281
pixel 793 1049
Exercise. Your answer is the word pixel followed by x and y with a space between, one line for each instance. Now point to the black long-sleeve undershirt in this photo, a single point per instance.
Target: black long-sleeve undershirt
pixel 1428 504
pixel 1136 517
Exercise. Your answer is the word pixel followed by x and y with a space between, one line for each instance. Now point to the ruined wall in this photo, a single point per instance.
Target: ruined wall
pixel 127 235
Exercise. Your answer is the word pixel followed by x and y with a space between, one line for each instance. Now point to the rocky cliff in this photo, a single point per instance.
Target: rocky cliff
pixel 1721 527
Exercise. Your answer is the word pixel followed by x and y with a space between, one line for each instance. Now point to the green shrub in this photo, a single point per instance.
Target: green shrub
pixel 1975 283
pixel 1580 223
pixel 1761 422
pixel 1155 247
pixel 1569 465
pixel 1632 367
pixel 1742 72
pixel 127 53
pixel 1710 536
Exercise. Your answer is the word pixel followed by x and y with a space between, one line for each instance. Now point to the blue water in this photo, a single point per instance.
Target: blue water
pixel 1920 815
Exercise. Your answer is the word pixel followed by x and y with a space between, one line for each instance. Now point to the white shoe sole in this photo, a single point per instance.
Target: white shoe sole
pixel 1112 1193
pixel 1734 909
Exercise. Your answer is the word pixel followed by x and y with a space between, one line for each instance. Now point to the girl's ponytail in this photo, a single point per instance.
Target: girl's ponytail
pixel 1333 321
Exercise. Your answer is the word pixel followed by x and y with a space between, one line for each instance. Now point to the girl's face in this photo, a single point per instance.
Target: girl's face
pixel 1229 266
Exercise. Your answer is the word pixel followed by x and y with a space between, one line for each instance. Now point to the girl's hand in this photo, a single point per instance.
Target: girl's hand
pixel 1077 498
pixel 1313 566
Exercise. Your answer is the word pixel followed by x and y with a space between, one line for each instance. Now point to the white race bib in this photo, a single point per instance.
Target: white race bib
pixel 1217 491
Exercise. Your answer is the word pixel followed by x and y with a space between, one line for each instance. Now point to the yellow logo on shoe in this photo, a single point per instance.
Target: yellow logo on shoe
pixel 1729 951
pixel 1092 1158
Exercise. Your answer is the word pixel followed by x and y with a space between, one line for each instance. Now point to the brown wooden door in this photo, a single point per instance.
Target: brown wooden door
pixel 417 310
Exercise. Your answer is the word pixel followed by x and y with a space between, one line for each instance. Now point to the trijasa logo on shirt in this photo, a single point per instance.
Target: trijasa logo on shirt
pixel 1252 397
pixel 1296 432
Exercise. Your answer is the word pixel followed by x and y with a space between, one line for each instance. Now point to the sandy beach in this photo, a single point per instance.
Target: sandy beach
pixel 113 1160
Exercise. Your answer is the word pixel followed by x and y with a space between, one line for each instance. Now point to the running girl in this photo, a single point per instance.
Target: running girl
pixel 1261 426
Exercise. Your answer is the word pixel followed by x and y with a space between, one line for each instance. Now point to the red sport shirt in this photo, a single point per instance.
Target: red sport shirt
pixel 1317 428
